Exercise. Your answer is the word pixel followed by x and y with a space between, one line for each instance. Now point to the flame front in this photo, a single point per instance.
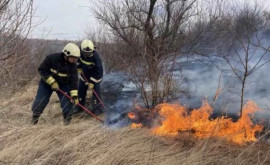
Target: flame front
pixel 176 120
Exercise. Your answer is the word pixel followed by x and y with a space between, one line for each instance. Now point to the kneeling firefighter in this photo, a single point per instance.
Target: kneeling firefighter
pixel 58 71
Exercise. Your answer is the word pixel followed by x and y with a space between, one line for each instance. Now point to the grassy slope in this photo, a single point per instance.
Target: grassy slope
pixel 86 141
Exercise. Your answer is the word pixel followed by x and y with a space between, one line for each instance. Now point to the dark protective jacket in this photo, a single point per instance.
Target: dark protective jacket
pixel 60 69
pixel 91 67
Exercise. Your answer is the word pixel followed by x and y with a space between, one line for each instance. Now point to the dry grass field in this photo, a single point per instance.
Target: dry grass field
pixel 87 141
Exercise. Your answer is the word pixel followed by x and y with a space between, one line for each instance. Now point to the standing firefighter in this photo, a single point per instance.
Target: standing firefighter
pixel 90 71
pixel 58 71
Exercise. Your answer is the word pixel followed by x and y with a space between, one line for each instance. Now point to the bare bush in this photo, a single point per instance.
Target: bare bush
pixel 15 26
pixel 146 37
pixel 238 37
pixel 248 52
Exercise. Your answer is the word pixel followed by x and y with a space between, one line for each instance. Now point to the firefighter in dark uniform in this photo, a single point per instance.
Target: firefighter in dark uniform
pixel 90 71
pixel 58 71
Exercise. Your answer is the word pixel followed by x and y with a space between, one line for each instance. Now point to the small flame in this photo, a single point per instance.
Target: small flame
pixel 134 125
pixel 131 115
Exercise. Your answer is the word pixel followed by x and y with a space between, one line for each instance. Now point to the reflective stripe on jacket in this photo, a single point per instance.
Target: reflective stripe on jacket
pixel 91 67
pixel 61 70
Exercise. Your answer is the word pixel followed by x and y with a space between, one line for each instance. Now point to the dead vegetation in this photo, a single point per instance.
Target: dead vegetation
pixel 86 141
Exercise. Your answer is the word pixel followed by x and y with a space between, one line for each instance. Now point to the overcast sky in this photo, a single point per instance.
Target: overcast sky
pixel 67 19
pixel 62 19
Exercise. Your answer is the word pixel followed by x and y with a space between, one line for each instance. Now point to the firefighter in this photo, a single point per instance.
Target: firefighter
pixel 90 71
pixel 58 71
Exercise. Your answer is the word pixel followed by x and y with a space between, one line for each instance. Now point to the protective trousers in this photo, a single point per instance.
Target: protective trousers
pixel 44 93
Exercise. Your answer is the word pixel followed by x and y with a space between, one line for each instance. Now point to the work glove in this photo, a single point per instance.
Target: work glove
pixel 74 96
pixel 79 71
pixel 55 86
pixel 51 81
pixel 75 100
pixel 91 86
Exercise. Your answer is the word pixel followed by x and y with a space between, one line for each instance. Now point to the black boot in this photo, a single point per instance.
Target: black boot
pixel 97 108
pixel 76 110
pixel 34 120
pixel 67 119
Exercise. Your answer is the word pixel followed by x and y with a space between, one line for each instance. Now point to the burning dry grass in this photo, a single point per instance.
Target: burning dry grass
pixel 177 119
pixel 86 141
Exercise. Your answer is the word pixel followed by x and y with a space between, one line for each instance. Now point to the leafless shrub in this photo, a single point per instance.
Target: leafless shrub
pixel 248 50
pixel 15 25
pixel 146 37
pixel 238 38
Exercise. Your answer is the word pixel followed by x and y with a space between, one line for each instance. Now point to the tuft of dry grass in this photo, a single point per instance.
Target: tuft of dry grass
pixel 87 141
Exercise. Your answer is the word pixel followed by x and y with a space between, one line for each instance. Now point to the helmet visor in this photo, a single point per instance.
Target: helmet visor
pixel 87 53
pixel 87 49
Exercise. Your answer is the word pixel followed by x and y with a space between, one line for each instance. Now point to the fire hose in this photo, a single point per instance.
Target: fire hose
pixel 85 109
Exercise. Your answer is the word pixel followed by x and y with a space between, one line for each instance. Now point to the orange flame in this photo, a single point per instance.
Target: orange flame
pixel 131 115
pixel 134 125
pixel 177 119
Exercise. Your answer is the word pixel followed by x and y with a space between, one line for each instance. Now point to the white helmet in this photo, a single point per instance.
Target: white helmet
pixel 71 49
pixel 87 46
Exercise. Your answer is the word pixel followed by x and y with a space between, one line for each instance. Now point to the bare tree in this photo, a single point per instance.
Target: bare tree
pixel 15 26
pixel 249 52
pixel 237 37
pixel 149 34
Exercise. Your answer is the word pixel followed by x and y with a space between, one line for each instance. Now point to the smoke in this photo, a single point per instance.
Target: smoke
pixel 116 114
pixel 202 79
